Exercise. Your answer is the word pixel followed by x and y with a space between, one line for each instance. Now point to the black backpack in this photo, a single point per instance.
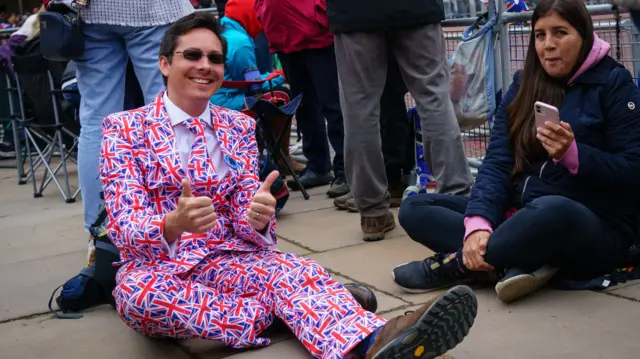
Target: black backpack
pixel 94 285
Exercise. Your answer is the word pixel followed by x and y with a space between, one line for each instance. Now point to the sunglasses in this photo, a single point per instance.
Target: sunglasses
pixel 215 58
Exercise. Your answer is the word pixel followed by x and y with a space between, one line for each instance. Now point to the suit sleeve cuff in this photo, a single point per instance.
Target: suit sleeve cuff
pixel 476 223
pixel 570 159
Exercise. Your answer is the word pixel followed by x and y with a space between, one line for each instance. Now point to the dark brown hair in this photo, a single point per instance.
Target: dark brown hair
pixel 537 85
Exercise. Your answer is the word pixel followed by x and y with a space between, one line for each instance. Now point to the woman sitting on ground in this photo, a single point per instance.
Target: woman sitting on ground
pixel 556 196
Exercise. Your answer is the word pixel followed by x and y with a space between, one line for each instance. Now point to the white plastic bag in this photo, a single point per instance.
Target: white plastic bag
pixel 472 66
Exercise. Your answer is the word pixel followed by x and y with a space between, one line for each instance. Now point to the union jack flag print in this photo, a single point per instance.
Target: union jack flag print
pixel 230 283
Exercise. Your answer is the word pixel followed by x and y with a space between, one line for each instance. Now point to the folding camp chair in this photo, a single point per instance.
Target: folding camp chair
pixel 9 86
pixel 265 109
pixel 47 130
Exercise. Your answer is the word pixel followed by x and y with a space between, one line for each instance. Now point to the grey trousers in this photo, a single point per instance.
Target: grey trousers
pixel 362 67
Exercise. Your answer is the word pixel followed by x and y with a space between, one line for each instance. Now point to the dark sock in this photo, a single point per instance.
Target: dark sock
pixel 363 347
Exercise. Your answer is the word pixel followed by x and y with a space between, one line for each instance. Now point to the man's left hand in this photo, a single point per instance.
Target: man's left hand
pixel 263 206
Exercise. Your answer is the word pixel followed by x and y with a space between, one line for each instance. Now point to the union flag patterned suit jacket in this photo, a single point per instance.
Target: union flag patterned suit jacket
pixel 142 174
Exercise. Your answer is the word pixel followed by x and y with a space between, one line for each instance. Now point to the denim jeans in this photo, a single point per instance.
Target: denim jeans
pixel 550 230
pixel 101 81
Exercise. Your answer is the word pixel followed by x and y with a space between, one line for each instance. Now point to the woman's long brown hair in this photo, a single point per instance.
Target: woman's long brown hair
pixel 537 85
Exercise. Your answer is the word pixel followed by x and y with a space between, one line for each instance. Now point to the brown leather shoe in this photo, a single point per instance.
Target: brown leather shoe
pixel 432 330
pixel 374 228
pixel 363 295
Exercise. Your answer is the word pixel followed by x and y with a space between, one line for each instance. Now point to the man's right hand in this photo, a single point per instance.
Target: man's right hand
pixel 193 215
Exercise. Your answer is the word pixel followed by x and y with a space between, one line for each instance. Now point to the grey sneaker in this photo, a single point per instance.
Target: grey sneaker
pixel 517 283
pixel 310 179
pixel 339 187
pixel 341 202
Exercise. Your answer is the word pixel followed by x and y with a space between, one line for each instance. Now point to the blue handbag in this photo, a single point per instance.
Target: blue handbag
pixel 61 36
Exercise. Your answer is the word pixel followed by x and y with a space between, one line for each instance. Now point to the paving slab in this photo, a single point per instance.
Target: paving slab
pixel 28 235
pixel 372 263
pixel 289 247
pixel 288 349
pixel 553 324
pixel 300 205
pixel 26 286
pixel 208 349
pixel 316 191
pixel 326 229
pixel 100 334
pixel 631 290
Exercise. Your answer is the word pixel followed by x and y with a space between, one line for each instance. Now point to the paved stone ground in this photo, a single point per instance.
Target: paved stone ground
pixel 42 244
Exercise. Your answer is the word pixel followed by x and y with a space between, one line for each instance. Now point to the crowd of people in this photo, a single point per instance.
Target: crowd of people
pixel 195 222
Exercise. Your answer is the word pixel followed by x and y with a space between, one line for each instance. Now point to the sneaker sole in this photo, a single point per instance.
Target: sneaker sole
pixel 420 291
pixel 443 326
pixel 519 286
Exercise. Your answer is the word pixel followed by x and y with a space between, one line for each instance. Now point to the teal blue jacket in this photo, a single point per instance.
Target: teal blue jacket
pixel 241 55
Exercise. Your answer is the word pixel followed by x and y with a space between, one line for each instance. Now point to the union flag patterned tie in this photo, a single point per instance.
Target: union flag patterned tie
pixel 199 157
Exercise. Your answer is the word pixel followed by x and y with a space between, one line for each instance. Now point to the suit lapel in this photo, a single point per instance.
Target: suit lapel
pixel 163 144
pixel 224 137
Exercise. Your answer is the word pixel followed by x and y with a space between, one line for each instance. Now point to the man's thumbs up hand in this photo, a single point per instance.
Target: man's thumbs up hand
pixel 263 206
pixel 268 182
pixel 186 188
pixel 193 215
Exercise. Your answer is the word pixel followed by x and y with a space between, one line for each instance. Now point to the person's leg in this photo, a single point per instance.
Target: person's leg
pixel 133 96
pixel 437 222
pixel 264 58
pixel 100 74
pixel 395 129
pixel 557 231
pixel 434 220
pixel 311 124
pixel 549 233
pixel 421 54
pixel 160 304
pixel 143 47
pixel 321 66
pixel 326 318
pixel 362 70
pixel 550 230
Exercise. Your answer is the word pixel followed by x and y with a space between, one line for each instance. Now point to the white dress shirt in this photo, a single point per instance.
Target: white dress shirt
pixel 185 138
pixel 184 141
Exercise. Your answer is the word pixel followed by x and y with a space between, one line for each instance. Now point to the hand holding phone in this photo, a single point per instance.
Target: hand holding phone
pixel 557 137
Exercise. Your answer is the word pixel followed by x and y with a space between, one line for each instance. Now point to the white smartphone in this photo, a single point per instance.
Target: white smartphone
pixel 545 112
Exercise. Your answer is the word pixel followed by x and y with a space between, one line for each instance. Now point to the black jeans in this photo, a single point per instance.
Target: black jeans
pixel 550 230
pixel 396 129
pixel 314 73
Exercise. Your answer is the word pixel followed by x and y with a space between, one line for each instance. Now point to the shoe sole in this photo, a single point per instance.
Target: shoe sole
pixel 519 286
pixel 443 326
pixel 378 236
pixel 421 291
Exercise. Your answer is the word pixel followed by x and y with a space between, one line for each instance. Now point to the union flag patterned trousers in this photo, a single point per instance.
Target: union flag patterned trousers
pixel 233 296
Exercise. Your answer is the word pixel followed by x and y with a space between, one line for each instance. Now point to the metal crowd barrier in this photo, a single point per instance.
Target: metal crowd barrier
pixel 514 28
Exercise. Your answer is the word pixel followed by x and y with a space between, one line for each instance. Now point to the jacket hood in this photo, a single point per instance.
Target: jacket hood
pixel 599 50
pixel 244 13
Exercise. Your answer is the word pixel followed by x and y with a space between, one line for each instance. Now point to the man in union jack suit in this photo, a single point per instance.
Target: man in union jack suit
pixel 196 229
